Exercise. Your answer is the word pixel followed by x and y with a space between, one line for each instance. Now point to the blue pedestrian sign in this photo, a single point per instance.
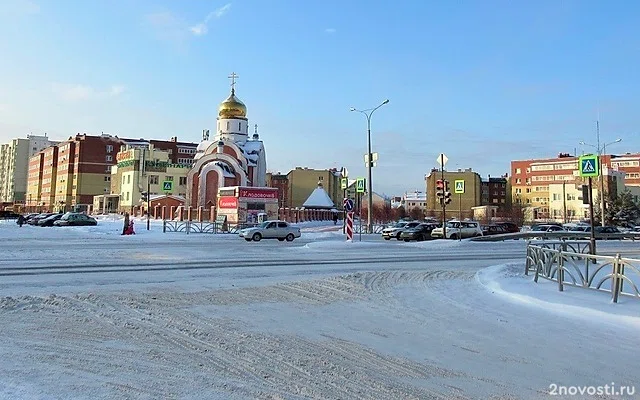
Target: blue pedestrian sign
pixel 348 204
pixel 588 166
pixel 167 186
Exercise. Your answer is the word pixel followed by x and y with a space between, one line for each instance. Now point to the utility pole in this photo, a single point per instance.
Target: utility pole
pixel 444 206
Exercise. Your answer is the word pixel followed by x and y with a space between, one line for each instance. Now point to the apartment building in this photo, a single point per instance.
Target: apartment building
pixel 281 182
pixel 139 169
pixel 303 181
pixel 179 152
pixel 461 205
pixel 69 174
pixel 552 188
pixel 496 192
pixel 34 182
pixel 14 166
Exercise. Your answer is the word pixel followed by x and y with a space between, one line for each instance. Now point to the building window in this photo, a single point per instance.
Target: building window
pixel 183 180
pixel 107 179
pixel 168 178
pixel 109 158
pixel 128 179
pixel 153 179
pixel 108 169
pixel 127 196
pixel 321 178
pixel 109 148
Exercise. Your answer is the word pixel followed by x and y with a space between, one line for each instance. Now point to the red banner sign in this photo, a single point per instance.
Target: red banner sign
pixel 258 193
pixel 227 202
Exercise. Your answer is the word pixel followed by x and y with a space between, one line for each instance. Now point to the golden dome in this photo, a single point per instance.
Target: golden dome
pixel 232 107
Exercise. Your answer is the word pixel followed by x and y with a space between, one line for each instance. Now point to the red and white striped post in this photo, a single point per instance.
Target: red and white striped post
pixel 349 229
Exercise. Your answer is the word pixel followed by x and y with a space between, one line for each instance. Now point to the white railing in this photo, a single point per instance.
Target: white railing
pixel 570 264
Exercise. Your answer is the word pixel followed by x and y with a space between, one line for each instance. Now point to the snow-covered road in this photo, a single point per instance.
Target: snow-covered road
pixel 200 316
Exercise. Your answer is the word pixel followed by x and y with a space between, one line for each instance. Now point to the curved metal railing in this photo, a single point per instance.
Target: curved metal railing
pixel 555 262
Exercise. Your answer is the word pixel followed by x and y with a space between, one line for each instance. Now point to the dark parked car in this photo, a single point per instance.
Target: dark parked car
pixel 493 229
pixel 8 215
pixel 418 233
pixel 48 221
pixel 75 219
pixel 34 219
pixel 509 227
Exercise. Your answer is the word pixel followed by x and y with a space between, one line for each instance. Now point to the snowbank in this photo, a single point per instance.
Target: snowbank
pixel 509 281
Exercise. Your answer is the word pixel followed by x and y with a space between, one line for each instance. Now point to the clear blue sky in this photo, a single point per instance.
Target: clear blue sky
pixel 485 82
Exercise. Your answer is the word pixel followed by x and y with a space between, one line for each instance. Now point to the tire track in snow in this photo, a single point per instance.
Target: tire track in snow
pixel 183 348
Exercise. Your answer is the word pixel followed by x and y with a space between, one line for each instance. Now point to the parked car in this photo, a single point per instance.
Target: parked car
pixel 48 221
pixel 395 230
pixel 35 218
pixel 280 230
pixel 494 229
pixel 8 215
pixel 458 230
pixel 75 219
pixel 509 227
pixel 418 233
pixel 547 228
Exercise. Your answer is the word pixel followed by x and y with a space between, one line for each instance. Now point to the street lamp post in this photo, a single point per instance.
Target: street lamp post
pixel 368 114
pixel 601 153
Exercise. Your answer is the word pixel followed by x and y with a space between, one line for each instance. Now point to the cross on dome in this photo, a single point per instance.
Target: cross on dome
pixel 233 77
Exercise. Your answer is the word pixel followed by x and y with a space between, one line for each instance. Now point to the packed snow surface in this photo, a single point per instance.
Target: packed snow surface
pixel 86 313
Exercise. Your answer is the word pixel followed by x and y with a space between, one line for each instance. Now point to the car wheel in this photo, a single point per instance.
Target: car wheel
pixel 290 237
pixel 281 239
pixel 256 237
pixel 454 237
pixel 387 238
pixel 407 240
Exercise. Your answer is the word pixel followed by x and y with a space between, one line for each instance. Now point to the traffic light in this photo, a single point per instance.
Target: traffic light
pixel 440 190
pixel 447 193
pixel 144 197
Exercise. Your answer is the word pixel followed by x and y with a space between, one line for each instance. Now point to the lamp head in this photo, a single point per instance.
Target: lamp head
pixel 386 101
pixel 352 109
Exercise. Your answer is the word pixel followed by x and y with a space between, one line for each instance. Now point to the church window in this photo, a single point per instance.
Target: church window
pixel 239 126
pixel 227 125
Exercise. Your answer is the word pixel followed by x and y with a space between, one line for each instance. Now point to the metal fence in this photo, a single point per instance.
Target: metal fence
pixel 570 264
pixel 216 227
pixel 201 227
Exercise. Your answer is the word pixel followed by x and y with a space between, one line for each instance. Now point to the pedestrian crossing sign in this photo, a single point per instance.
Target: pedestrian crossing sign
pixel 360 185
pixel 589 166
pixel 167 186
pixel 459 186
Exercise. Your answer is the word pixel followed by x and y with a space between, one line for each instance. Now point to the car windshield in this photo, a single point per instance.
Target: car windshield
pixel 264 224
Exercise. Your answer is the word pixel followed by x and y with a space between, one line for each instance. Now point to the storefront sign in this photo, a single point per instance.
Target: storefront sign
pixel 227 202
pixel 125 155
pixel 258 193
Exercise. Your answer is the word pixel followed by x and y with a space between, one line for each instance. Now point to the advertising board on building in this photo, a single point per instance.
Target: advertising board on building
pixel 258 193
pixel 125 155
pixel 228 202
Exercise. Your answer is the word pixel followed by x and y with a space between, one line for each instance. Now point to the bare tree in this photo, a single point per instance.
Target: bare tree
pixel 416 213
pixel 400 213
pixel 515 213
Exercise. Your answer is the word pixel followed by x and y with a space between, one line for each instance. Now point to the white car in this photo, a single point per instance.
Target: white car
pixel 459 230
pixel 280 230
pixel 394 231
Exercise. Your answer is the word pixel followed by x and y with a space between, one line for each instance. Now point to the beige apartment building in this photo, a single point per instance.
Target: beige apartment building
pixel 461 205
pixel 14 166
pixel 302 181
pixel 138 168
